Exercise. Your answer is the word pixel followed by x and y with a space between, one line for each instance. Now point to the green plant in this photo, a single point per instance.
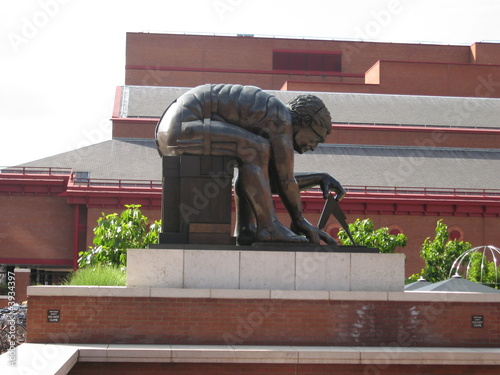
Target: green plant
pixel 364 234
pixel 439 255
pixel 105 275
pixel 482 271
pixel 114 234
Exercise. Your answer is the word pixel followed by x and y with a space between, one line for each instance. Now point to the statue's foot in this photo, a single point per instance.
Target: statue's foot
pixel 277 232
pixel 245 237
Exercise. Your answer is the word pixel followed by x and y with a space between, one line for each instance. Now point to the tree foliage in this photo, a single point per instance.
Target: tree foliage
pixel 364 234
pixel 115 233
pixel 480 270
pixel 439 255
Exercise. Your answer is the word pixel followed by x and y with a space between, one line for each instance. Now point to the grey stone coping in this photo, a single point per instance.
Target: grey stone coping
pixel 55 359
pixel 110 291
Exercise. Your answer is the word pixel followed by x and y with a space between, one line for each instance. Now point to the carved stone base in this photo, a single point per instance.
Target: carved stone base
pixel 234 267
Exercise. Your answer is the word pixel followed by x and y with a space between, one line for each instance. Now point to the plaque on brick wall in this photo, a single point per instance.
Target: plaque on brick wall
pixel 53 316
pixel 477 321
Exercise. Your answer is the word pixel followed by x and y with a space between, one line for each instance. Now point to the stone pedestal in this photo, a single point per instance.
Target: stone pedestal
pixel 196 202
pixel 232 267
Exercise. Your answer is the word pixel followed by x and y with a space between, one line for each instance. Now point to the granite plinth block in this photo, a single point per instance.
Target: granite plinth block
pixel 234 267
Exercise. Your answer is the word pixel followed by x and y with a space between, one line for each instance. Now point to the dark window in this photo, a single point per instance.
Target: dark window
pixel 81 177
pixel 4 280
pixel 280 61
pixel 316 62
pixel 307 61
pixel 48 277
pixel 298 61
pixel 333 63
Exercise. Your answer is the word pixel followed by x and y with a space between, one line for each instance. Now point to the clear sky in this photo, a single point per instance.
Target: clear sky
pixel 61 60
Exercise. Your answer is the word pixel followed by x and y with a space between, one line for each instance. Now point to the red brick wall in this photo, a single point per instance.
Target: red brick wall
pixel 187 321
pixel 274 369
pixel 22 282
pixel 217 52
pixel 36 227
pixel 134 128
pixel 439 79
pixel 485 53
pixel 416 78
pixel 182 78
pixel 306 85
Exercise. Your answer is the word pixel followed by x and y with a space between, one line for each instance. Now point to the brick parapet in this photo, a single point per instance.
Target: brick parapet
pixel 205 317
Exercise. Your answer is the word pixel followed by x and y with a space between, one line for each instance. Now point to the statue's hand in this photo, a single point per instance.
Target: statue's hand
pixel 328 183
pixel 302 226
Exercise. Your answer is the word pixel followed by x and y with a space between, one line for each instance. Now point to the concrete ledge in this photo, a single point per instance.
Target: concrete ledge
pixel 40 359
pixel 49 359
pixel 22 270
pixel 292 354
pixel 264 270
pixel 121 291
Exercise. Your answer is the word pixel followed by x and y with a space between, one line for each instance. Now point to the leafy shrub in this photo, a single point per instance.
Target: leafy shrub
pixel 364 233
pixel 115 234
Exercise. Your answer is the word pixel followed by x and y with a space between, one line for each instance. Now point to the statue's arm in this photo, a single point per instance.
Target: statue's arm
pixel 324 180
pixel 283 180
pixel 281 170
pixel 308 180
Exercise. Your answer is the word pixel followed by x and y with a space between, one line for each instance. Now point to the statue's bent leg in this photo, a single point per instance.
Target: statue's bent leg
pixel 252 187
pixel 246 224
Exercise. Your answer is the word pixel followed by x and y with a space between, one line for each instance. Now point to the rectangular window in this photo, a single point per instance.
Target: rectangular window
pixel 307 61
pixel 4 282
pixel 81 177
pixel 281 61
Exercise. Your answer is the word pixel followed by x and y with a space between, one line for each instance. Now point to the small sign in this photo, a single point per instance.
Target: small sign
pixel 477 321
pixel 53 316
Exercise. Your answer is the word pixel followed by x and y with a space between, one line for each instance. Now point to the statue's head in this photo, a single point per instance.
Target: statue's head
pixel 311 122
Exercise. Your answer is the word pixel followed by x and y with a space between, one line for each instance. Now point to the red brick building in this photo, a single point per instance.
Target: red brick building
pixel 314 65
pixel 415 138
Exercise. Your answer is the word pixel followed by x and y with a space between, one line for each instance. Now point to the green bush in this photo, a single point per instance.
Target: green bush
pixel 102 275
pixel 439 254
pixel 116 233
pixel 365 234
pixel 480 270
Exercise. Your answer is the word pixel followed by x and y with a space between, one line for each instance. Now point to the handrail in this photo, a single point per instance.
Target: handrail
pixel 36 170
pixel 426 191
pixel 120 183
pixel 367 190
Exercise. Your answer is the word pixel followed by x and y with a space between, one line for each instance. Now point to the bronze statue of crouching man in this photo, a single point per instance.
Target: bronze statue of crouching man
pixel 261 132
